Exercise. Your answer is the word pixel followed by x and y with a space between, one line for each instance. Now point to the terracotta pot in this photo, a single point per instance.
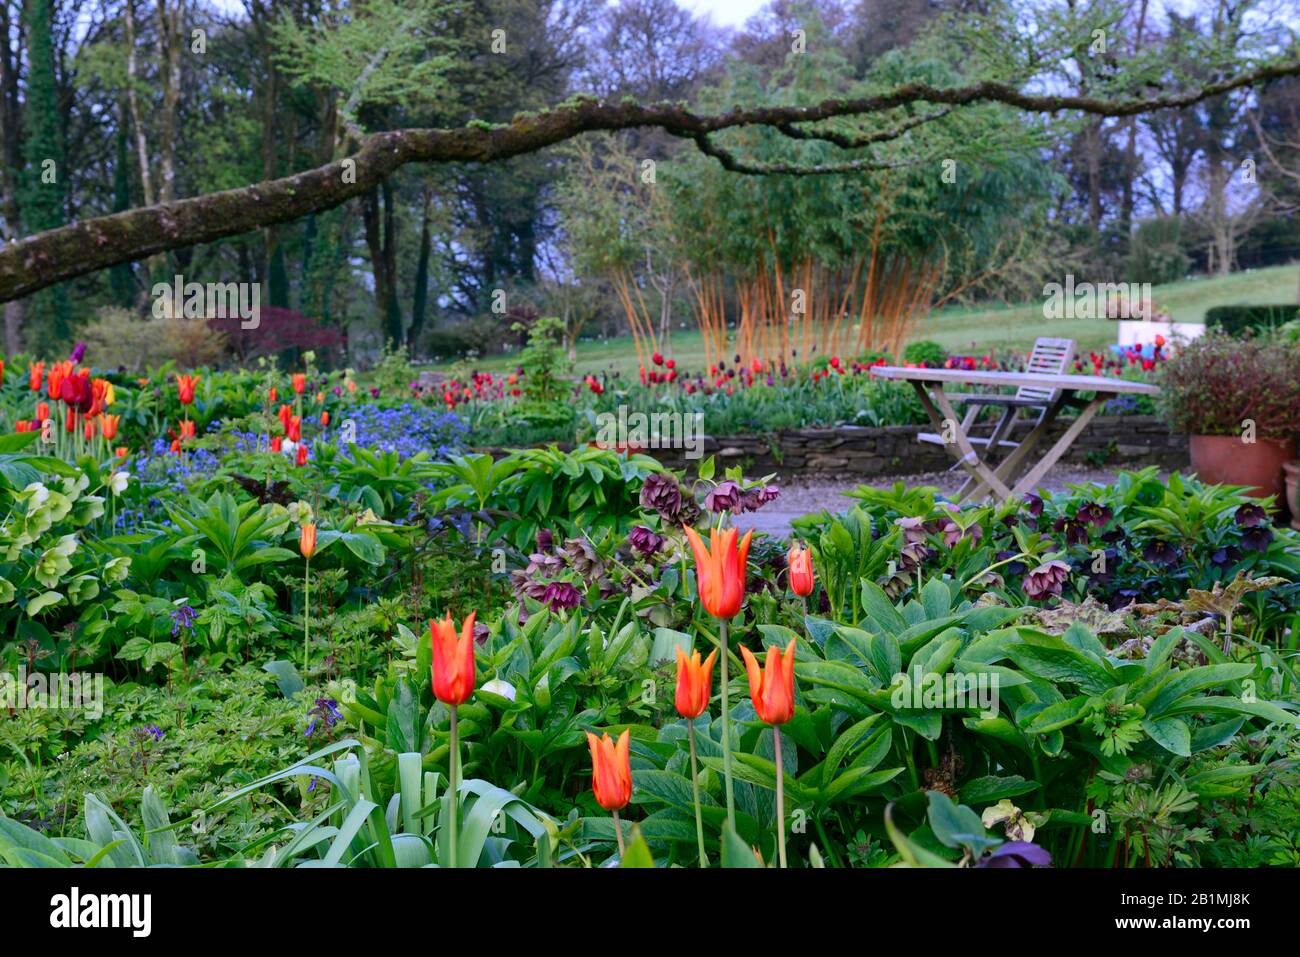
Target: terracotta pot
pixel 1292 472
pixel 1227 460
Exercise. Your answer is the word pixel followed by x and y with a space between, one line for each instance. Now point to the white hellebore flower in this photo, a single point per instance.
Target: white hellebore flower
pixel 498 687
pixel 40 494
pixel 119 482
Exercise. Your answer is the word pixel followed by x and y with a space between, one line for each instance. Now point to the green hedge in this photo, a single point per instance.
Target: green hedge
pixel 1235 320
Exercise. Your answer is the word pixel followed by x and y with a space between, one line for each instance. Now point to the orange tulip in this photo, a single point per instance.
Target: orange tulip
pixel 772 690
pixel 611 770
pixel 70 424
pixel 176 446
pixel 277 444
pixel 294 428
pixel 307 540
pixel 187 429
pixel 108 425
pixel 272 395
pixel 320 396
pixel 302 454
pixel 325 418
pixel 185 386
pixel 122 451
pixel 453 659
pixel 694 682
pixel 300 382
pixel 720 569
pixel 36 374
pixel 88 429
pixel 801 570
pixel 42 410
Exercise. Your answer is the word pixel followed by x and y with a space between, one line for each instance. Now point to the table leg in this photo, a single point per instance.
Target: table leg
pixel 1006 470
pixel 1035 475
pixel 971 488
pixel 968 458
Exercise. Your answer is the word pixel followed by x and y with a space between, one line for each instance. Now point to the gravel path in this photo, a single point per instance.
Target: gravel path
pixel 802 496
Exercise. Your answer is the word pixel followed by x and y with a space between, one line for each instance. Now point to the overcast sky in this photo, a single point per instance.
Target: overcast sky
pixel 731 13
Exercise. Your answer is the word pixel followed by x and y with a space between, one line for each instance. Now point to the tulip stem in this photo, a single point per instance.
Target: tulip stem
pixel 695 790
pixel 306 616
pixel 726 729
pixel 780 799
pixel 618 834
pixel 453 789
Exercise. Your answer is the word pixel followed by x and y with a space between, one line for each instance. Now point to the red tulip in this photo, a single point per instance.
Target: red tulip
pixel 185 386
pixel 453 659
pixel 801 570
pixel 772 690
pixel 611 770
pixel 720 569
pixel 694 682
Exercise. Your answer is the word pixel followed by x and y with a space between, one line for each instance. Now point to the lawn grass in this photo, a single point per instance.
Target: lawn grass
pixel 981 329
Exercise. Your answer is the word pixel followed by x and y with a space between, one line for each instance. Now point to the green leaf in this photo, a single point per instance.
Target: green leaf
pixel 637 852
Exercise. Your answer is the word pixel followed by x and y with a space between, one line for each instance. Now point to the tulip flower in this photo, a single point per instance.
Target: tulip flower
pixel 42 410
pixel 277 443
pixel 185 387
pixel 36 375
pixel 694 681
pixel 122 451
pixel 801 570
pixel 299 382
pixel 302 454
pixel 720 573
pixel 272 395
pixel 325 418
pixel 611 775
pixel 772 692
pixel 453 659
pixel 307 540
pixel 108 425
pixel 720 569
pixel 453 683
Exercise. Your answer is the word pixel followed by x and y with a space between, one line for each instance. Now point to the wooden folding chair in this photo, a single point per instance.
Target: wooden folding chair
pixel 1053 356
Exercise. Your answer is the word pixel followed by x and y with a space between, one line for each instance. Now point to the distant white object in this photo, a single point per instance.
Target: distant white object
pixel 1143 332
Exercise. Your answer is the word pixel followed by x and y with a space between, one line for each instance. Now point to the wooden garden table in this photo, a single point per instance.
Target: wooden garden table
pixel 1068 390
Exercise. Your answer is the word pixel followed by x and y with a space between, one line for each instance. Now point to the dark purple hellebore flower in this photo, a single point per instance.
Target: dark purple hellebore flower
pixel 662 494
pixel 560 595
pixel 1095 514
pixel 1076 532
pixel 644 540
pixel 1256 538
pixel 1161 552
pixel 1249 516
pixel 1046 580
pixel 1225 555
pixel 724 498
pixel 545 540
pixel 1017 854
pixel 78 353
pixel 1034 504
pixel 756 498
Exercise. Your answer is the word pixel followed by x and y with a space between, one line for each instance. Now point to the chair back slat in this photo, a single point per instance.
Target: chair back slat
pixel 1050 357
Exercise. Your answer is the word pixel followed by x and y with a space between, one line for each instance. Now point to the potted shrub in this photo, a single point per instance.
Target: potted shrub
pixel 1239 401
